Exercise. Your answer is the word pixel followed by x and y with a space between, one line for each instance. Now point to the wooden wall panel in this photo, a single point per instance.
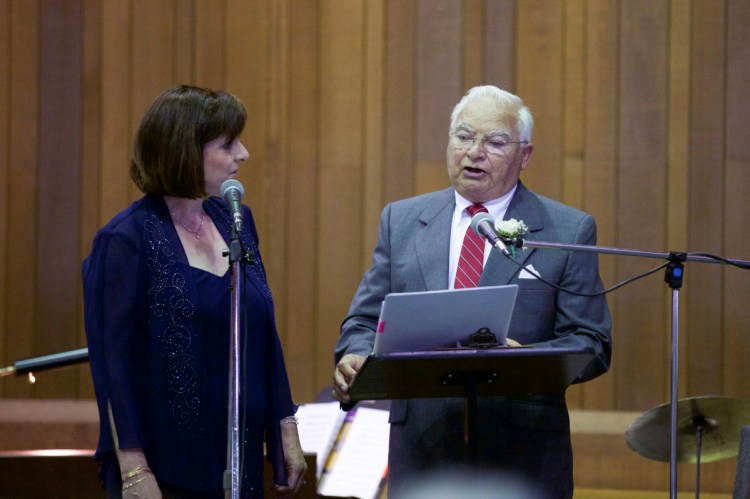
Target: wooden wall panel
pixel 247 72
pixel 642 325
pixel 116 104
pixel 304 353
pixel 278 174
pixel 573 124
pixel 600 169
pixel 59 188
pixel 706 188
pixel 539 78
pixel 23 80
pixel 5 124
pixel 373 149
pixel 472 47
pixel 500 43
pixel 400 98
pixel 185 41
pixel 641 120
pixel 340 176
pixel 678 154
pixel 439 80
pixel 210 52
pixel 91 144
pixel 735 333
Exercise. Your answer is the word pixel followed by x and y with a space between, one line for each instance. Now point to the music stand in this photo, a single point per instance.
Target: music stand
pixel 469 373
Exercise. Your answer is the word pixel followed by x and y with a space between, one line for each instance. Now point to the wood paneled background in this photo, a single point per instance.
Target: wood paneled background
pixel 642 119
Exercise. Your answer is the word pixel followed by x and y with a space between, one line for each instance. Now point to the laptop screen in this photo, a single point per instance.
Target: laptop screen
pixel 427 320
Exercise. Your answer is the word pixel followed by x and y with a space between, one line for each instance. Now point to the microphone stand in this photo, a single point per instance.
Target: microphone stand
pixel 27 366
pixel 673 277
pixel 232 473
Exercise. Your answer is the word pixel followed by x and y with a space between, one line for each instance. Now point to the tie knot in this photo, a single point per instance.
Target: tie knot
pixel 476 208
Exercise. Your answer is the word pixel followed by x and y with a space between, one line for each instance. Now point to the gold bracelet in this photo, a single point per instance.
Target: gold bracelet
pixel 126 486
pixel 289 420
pixel 136 471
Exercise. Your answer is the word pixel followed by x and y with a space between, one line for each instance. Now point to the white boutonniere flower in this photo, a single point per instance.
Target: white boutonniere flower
pixel 511 232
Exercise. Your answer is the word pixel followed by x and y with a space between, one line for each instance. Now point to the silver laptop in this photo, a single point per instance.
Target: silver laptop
pixel 420 321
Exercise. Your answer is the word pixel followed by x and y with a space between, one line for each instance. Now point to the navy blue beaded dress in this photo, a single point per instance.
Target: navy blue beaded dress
pixel 158 338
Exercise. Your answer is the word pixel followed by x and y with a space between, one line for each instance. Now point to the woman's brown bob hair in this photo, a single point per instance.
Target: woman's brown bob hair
pixel 168 148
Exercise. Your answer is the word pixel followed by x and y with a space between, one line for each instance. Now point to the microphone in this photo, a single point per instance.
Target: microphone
pixel 484 225
pixel 232 191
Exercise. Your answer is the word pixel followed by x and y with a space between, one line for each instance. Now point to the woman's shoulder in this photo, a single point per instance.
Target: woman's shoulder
pixel 127 225
pixel 131 215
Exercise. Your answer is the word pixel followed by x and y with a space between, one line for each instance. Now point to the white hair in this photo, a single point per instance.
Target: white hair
pixel 525 119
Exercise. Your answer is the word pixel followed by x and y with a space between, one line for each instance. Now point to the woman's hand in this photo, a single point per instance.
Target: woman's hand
pixel 294 459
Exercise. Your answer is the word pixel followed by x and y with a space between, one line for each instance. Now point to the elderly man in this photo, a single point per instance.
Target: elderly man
pixel 419 248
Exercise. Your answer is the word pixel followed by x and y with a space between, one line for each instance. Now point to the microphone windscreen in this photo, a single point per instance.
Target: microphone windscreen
pixel 480 218
pixel 230 184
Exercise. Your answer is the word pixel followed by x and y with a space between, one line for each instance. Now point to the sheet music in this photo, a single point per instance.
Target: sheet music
pixel 360 459
pixel 319 425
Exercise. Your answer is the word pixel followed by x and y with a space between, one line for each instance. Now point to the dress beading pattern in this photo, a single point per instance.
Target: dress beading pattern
pixel 169 301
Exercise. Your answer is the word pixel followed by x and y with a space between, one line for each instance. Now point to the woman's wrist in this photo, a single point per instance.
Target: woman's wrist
pixel 136 476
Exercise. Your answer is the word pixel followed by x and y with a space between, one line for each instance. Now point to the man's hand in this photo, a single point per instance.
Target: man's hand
pixel 344 375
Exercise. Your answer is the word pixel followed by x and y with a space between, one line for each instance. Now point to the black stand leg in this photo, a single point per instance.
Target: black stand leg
pixel 470 437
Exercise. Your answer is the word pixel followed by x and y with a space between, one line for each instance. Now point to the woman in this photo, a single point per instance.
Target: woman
pixel 157 313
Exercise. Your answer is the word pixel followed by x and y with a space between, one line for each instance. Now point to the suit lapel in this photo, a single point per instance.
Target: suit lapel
pixel 431 244
pixel 499 269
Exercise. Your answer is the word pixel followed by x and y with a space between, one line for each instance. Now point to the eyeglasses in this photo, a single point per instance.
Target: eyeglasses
pixel 495 144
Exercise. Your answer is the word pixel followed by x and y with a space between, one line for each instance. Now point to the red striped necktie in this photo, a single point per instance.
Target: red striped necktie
pixel 471 261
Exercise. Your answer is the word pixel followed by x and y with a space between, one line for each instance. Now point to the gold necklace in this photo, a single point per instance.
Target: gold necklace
pixel 195 232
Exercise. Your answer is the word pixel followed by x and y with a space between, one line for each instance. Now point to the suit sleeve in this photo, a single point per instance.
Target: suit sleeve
pixel 358 328
pixel 583 321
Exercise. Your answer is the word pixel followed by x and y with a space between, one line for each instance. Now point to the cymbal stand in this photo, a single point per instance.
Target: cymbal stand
pixel 673 277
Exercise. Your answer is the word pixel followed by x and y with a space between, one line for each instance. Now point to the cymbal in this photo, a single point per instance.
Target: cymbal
pixel 721 419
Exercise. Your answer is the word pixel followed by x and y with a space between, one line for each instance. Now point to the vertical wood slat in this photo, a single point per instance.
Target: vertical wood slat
pixel 573 128
pixel 737 192
pixel 373 150
pixel 340 174
pixel 210 51
pixel 23 187
pixel 644 338
pixel 91 142
pixel 277 124
pixel 539 80
pixel 400 98
pixel 248 39
pixel 600 169
pixel 5 124
pixel 58 188
pixel 706 188
pixel 439 79
pixel 678 171
pixel 573 124
pixel 500 43
pixel 473 43
pixel 305 354
pixel 116 115
pixel 185 43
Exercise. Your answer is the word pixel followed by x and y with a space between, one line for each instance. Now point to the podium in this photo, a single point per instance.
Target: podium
pixel 469 373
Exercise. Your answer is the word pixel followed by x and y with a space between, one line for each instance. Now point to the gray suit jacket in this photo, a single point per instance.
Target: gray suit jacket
pixel 526 434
